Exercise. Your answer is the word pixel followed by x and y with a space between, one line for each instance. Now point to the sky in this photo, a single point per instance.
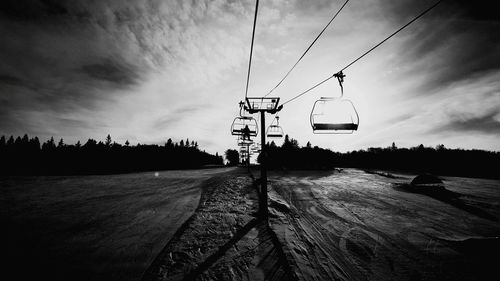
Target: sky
pixel 149 70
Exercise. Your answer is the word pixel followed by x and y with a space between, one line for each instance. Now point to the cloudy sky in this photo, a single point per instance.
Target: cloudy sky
pixel 147 70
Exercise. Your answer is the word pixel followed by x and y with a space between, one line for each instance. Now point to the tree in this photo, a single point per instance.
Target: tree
pixel 49 144
pixel 393 146
pixel 169 144
pixel 108 141
pixel 232 156
pixel 91 143
pixel 78 144
pixel 290 143
pixel 127 143
pixel 35 143
pixel 181 143
pixel 10 142
pixel 308 145
pixel 25 140
pixel 287 141
pixel 60 144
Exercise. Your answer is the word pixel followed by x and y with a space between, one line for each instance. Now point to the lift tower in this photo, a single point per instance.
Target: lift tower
pixel 263 105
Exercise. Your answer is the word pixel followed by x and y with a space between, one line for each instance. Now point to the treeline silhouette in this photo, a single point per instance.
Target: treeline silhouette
pixel 27 156
pixel 420 159
pixel 291 156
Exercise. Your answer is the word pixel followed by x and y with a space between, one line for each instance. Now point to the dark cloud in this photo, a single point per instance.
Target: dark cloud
pixel 486 124
pixel 32 9
pixel 112 71
pixel 479 10
pixel 459 39
pixel 59 57
pixel 10 80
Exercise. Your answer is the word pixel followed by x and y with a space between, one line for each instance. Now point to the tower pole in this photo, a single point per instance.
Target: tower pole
pixel 263 171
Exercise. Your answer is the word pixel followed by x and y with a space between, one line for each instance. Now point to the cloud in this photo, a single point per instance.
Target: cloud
pixel 32 10
pixel 486 124
pixel 149 69
pixel 174 117
pixel 10 80
pixel 454 41
pixel 112 71
pixel 82 58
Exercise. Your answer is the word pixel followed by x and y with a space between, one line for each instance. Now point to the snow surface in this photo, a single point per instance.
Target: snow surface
pixel 355 225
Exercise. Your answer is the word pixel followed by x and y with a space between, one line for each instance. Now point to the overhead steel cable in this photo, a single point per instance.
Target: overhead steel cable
pixel 367 52
pixel 251 46
pixel 307 50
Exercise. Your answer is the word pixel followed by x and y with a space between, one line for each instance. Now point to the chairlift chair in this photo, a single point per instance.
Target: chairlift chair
pixel 244 143
pixel 274 130
pixel 334 115
pixel 241 122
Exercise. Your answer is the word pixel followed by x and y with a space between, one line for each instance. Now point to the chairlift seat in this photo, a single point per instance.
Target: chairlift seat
pixel 277 136
pixel 342 126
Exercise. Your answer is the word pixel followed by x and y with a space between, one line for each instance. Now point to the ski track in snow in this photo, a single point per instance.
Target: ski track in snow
pixel 355 225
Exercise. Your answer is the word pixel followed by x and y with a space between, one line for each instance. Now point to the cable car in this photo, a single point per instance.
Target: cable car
pixel 274 130
pixel 334 115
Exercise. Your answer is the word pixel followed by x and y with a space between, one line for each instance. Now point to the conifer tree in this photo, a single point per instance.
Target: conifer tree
pixel 108 141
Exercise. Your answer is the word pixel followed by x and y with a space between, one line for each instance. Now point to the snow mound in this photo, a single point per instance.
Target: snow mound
pixel 278 204
pixel 426 179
